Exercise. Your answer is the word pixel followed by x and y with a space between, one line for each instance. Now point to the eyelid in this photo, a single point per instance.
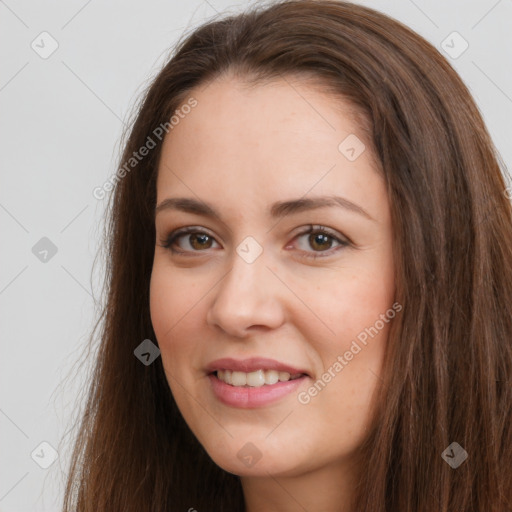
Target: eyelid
pixel 342 240
pixel 169 240
pixel 312 228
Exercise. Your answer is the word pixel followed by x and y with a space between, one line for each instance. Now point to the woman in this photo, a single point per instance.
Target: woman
pixel 309 281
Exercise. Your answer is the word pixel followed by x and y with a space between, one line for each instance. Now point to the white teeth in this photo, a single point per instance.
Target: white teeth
pixel 256 379
pixel 238 379
pixel 284 376
pixel 253 379
pixel 271 377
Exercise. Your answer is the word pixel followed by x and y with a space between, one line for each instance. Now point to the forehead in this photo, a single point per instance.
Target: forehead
pixel 266 142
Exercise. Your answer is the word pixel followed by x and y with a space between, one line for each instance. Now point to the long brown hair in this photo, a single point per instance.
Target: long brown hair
pixel 448 364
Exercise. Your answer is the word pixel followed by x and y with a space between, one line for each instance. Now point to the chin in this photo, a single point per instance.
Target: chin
pixel 260 469
pixel 249 460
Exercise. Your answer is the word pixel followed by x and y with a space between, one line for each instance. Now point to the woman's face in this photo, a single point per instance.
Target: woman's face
pixel 253 170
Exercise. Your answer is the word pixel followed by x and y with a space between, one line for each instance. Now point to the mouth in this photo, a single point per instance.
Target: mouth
pixel 255 370
pixel 253 382
pixel 255 379
pixel 246 396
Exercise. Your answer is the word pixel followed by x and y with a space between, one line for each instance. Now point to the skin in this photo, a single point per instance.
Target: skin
pixel 241 149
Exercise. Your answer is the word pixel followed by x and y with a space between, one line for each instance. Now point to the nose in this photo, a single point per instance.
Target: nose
pixel 248 298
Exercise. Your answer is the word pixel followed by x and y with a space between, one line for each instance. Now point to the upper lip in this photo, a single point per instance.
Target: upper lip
pixel 252 364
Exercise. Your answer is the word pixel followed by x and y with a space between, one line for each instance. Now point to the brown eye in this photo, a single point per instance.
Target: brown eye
pixel 200 240
pixel 188 240
pixel 320 241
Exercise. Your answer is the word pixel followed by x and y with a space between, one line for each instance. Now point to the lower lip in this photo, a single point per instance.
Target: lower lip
pixel 251 397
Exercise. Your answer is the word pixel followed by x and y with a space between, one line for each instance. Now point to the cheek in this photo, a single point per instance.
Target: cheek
pixel 162 301
pixel 174 305
pixel 358 310
pixel 346 306
pixel 174 296
pixel 369 292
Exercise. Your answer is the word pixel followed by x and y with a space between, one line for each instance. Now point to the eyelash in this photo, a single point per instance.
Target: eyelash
pixel 172 237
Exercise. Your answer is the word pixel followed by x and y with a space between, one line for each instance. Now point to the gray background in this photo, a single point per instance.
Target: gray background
pixel 61 121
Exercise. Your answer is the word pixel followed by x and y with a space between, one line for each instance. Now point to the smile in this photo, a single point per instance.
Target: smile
pixel 247 396
pixel 254 379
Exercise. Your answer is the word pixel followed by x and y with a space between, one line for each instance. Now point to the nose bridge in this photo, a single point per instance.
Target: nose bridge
pixel 247 295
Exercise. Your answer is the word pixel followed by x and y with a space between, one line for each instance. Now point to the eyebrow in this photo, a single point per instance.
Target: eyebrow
pixel 277 210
